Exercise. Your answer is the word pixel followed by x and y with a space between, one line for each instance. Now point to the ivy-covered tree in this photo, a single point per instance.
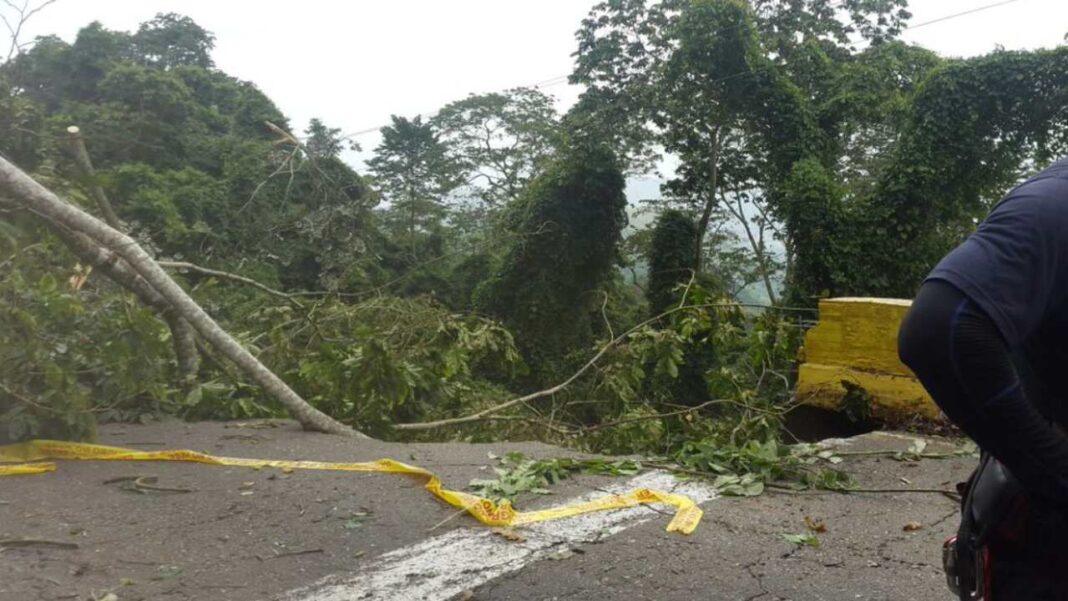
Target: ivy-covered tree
pixel 754 97
pixel 670 258
pixel 568 224
pixel 975 128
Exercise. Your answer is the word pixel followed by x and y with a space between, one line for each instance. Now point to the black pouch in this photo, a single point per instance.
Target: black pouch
pixel 988 500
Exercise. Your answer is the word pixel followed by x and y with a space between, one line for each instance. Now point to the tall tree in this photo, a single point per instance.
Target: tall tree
pixel 674 66
pixel 193 171
pixel 416 173
pixel 323 142
pixel 501 139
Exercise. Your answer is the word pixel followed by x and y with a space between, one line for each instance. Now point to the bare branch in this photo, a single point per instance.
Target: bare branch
pixel 185 266
pixel 642 418
pixel 686 292
pixel 39 8
pixel 25 13
pixel 604 314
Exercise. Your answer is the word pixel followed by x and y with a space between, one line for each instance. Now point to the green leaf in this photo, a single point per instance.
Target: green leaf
pixel 807 539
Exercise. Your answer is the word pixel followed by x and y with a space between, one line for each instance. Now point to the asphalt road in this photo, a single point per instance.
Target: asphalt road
pixel 243 534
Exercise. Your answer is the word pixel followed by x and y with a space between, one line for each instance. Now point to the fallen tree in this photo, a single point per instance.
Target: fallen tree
pixel 23 192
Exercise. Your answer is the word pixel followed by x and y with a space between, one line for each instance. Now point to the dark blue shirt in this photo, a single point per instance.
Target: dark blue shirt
pixel 1015 267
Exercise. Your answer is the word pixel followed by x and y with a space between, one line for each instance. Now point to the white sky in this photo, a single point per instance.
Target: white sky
pixel 355 62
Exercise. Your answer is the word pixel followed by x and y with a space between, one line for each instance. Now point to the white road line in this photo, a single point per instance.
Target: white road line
pixel 444 566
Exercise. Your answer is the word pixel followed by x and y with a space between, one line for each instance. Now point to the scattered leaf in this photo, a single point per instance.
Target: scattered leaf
pixel 167 572
pixel 912 526
pixel 805 540
pixel 815 525
pixel 562 555
pixel 509 534
pixel 81 274
pixel 356 519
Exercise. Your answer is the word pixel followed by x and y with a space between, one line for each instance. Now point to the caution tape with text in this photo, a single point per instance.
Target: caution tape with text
pixel 29 456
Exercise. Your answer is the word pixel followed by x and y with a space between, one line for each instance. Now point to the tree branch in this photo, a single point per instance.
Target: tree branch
pixel 553 390
pixel 186 266
pixel 642 418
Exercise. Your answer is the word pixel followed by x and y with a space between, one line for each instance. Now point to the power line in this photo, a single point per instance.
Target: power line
pixel 555 81
pixel 960 14
pixel 548 83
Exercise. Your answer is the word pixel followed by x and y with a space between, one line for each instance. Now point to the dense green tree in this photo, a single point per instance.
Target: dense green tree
pixel 322 142
pixel 188 156
pixel 171 40
pixel 195 172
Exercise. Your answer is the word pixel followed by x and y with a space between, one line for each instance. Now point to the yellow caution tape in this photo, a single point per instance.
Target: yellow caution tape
pixel 26 469
pixel 687 514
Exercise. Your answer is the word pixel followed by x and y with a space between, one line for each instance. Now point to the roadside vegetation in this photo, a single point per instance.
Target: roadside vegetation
pixel 480 279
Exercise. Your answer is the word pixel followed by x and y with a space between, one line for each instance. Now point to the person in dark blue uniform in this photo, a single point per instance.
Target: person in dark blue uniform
pixel 987 335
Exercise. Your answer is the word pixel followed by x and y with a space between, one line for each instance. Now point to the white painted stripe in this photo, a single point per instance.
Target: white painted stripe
pixel 444 566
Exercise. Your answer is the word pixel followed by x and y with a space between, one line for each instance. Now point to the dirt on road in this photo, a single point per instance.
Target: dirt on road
pixel 232 533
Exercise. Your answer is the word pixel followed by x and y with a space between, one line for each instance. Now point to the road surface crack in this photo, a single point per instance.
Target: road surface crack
pixel 759 578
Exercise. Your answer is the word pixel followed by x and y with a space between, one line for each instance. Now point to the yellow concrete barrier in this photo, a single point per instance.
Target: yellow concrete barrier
pixel 856 341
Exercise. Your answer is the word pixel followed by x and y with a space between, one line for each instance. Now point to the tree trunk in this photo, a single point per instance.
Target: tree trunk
pixel 702 226
pixel 27 193
pixel 756 244
pixel 85 166
pixel 183 337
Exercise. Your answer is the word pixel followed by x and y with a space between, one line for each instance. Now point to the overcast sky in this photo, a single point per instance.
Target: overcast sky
pixel 354 63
